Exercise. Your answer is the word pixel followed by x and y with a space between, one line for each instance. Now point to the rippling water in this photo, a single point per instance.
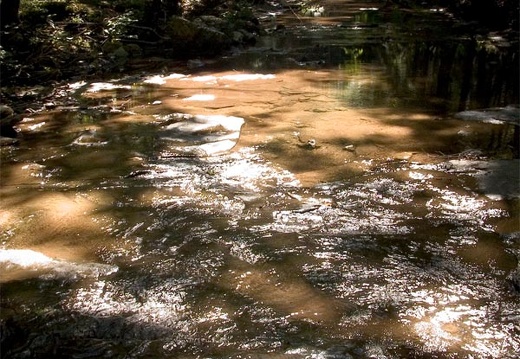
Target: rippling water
pixel 385 239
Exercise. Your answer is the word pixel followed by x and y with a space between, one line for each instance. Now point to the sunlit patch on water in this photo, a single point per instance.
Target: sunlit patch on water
pixel 212 79
pixel 460 325
pixel 361 237
pixel 29 263
pixel 229 253
pixel 459 208
pixel 160 304
pixel 450 305
pixel 213 251
pixel 240 173
pixel 248 77
pixel 98 86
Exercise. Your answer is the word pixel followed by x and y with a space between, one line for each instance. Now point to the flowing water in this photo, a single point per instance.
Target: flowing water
pixel 312 197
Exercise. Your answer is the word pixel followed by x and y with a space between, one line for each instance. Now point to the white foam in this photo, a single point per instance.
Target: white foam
pixel 106 86
pixel 161 80
pixel 23 257
pixel 49 267
pixel 200 97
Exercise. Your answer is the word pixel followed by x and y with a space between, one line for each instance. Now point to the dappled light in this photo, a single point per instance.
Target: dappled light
pixel 336 191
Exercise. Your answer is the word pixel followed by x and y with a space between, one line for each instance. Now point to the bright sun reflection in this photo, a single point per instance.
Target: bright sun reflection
pixel 459 326
pixel 201 97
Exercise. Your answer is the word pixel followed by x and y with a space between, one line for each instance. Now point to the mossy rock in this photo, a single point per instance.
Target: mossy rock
pixel 196 37
pixel 133 50
pixel 213 21
pixel 180 29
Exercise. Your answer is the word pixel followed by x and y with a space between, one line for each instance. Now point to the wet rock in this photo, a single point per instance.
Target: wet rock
pixel 90 138
pixel 196 36
pixel 512 240
pixel 212 21
pixel 179 28
pixel 8 141
pixel 119 56
pixel 8 120
pixel 247 37
pixel 201 135
pixel 350 148
pixel 213 41
pixel 497 179
pixel 514 279
pixel 500 179
pixel 195 63
pixel 509 114
pixel 6 115
pixel 116 52
pixel 310 144
pixel 238 37
pixel 133 50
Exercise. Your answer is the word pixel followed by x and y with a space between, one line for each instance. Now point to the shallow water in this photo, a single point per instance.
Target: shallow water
pixel 355 216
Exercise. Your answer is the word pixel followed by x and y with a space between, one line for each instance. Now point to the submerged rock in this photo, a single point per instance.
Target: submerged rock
pixel 508 114
pixel 201 135
pixel 8 141
pixel 497 179
pixel 196 36
pixel 90 138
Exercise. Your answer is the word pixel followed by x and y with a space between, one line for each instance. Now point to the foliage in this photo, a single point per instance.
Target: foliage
pixel 118 25
pixel 62 38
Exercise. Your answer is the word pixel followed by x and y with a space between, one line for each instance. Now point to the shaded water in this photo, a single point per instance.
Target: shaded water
pixel 354 217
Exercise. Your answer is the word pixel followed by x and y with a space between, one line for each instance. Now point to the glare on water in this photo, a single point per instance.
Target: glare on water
pixel 264 210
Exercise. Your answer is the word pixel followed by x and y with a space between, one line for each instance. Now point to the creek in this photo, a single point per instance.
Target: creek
pixel 315 196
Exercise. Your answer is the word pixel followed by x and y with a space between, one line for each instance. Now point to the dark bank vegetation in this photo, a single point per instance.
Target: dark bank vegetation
pixel 54 39
pixel 44 40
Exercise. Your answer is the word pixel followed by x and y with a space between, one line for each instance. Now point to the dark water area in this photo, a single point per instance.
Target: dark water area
pixel 320 195
pixel 419 59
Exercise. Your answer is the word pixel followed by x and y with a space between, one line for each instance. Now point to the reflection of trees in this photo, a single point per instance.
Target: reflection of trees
pixel 456 74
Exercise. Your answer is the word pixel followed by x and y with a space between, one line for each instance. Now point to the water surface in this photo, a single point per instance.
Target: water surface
pixel 353 215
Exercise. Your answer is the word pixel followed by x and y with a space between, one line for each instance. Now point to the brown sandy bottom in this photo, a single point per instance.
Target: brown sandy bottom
pixel 283 113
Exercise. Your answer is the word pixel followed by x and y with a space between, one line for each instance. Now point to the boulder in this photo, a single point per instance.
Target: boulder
pixel 199 135
pixel 181 30
pixel 508 114
pixel 198 37
pixel 213 21
pixel 7 117
pixel 211 40
pixel 7 120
